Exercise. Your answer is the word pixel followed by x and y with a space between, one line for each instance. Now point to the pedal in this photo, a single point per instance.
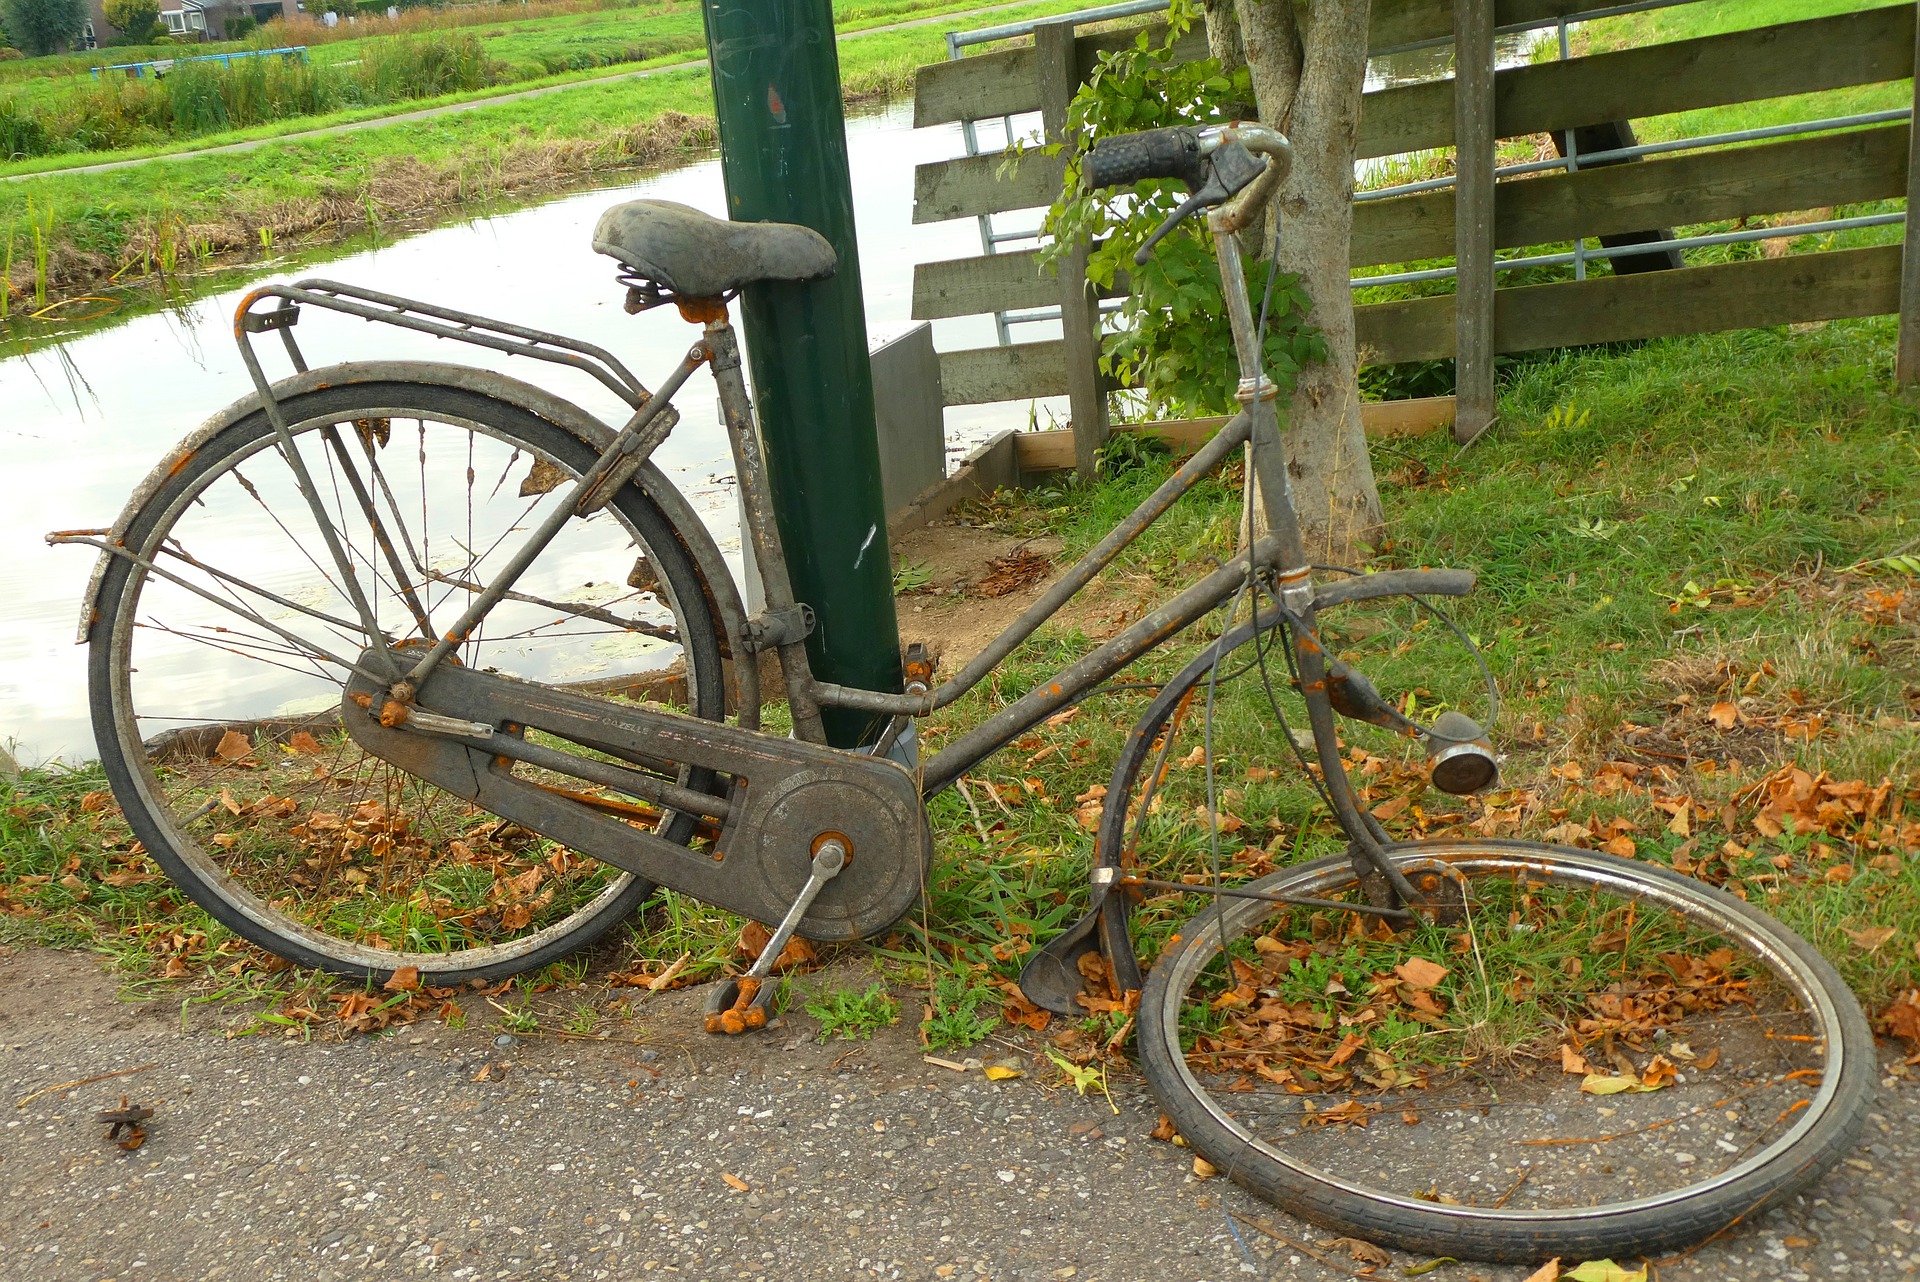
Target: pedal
pixel 737 1005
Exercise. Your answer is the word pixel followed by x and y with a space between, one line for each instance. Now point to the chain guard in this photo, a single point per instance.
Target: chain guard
pixel 783 795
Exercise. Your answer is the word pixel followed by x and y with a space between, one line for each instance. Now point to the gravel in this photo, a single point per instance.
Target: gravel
pixel 769 1157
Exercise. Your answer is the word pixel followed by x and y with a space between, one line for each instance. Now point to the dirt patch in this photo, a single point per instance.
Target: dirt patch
pixel 979 581
pixel 946 613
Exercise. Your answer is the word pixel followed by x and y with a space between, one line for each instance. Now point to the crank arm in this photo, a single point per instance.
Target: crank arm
pixel 735 1005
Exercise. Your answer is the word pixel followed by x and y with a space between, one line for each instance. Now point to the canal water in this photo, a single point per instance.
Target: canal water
pixel 82 424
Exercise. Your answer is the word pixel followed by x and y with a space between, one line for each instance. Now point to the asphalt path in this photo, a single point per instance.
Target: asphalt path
pixel 434 1152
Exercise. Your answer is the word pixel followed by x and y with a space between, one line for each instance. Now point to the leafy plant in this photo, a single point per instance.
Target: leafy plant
pixel 135 18
pixel 955 1018
pixel 852 1015
pixel 520 1018
pixel 911 576
pixel 1124 451
pixel 1174 337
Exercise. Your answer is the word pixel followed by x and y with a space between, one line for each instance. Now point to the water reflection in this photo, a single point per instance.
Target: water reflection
pixel 81 423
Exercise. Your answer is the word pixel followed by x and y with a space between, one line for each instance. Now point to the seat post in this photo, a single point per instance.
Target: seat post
pixel 723 347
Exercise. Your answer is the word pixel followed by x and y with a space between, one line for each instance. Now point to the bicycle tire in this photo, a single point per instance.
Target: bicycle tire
pixel 441 898
pixel 1826 1129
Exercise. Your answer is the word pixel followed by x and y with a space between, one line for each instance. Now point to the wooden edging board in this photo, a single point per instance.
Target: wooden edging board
pixel 1384 420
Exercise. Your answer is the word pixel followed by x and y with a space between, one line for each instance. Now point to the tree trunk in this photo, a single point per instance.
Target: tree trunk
pixel 1307 77
pixel 1223 35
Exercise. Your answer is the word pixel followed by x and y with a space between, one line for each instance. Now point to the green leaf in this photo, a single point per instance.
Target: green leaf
pixel 1604 1271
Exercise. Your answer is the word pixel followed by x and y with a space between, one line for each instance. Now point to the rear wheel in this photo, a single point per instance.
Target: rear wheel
pixel 217 675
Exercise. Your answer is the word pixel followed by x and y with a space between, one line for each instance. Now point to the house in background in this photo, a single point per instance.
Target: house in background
pixel 194 20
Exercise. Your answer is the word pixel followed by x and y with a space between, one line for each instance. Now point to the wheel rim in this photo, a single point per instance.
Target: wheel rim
pixel 1568 868
pixel 401 874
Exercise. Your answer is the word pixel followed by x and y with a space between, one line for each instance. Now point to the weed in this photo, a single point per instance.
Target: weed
pixel 911 576
pixel 852 1015
pixel 583 1020
pixel 959 1012
pixel 519 1018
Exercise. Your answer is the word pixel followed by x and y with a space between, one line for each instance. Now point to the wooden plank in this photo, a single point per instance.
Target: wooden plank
pixel 1384 420
pixel 1608 309
pixel 970 185
pixel 1865 47
pixel 1005 81
pixel 986 283
pixel 992 283
pixel 1387 420
pixel 1473 195
pixel 982 375
pixel 1906 364
pixel 1079 310
pixel 1767 178
pixel 1670 191
pixel 1405 22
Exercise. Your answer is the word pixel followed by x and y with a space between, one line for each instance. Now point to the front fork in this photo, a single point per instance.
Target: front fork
pixel 1294 582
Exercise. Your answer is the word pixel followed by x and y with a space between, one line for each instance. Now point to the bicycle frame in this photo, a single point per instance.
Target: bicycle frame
pixel 1278 558
pixel 719 348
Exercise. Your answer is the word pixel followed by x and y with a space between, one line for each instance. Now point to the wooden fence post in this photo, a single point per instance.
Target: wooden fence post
pixel 1079 308
pixel 1473 216
pixel 1907 365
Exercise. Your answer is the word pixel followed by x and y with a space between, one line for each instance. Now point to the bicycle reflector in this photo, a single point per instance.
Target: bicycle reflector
pixel 1462 757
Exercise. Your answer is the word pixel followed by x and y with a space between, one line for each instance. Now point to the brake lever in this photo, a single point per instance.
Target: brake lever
pixel 1230 169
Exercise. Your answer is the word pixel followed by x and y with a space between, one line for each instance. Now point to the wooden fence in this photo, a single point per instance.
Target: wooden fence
pixel 1477 216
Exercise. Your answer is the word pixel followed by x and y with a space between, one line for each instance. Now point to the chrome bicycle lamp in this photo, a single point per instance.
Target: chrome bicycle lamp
pixel 1462 755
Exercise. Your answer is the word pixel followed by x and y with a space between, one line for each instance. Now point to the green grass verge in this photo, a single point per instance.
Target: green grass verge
pixel 119 226
pixel 1685 597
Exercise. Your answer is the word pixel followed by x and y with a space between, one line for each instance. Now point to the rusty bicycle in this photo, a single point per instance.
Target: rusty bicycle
pixel 398 664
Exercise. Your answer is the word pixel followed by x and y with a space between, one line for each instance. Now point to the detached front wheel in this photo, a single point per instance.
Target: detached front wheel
pixel 1412 1088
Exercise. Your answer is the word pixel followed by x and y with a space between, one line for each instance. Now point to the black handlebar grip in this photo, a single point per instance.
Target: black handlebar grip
pixel 1155 153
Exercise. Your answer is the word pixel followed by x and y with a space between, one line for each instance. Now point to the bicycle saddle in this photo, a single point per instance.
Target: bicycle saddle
pixel 699 256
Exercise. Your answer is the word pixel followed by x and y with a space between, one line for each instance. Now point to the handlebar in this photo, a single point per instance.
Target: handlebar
pixel 1155 153
pixel 1217 163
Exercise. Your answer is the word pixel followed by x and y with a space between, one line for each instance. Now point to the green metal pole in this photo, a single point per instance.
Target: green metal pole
pixel 783 151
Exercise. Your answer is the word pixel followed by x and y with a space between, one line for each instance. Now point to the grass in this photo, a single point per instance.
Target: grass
pixel 112 225
pixel 1659 530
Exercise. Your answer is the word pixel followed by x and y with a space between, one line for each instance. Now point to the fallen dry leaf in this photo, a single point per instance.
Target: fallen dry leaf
pixel 304 744
pixel 1902 1017
pixel 404 980
pixel 1572 1061
pixel 1604 1084
pixel 1000 1073
pixel 232 746
pixel 1362 1251
pixel 1604 1271
pixel 1548 1272
pixel 1723 714
pixel 734 1182
pixel 1203 1169
pixel 1420 972
pixel 1659 1073
pixel 1872 937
